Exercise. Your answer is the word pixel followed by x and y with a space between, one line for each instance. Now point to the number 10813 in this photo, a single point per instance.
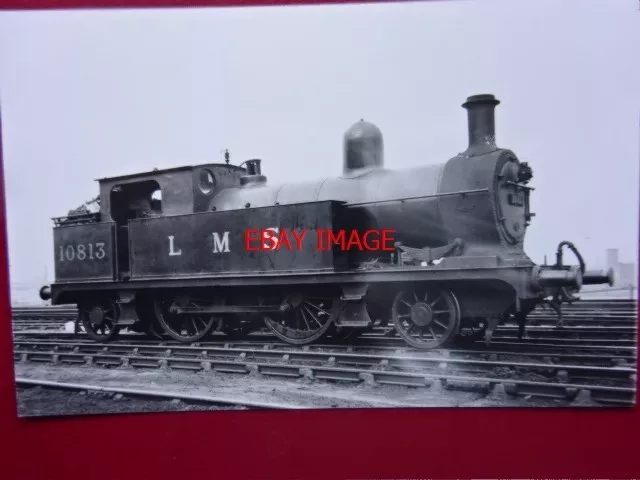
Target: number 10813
pixel 90 251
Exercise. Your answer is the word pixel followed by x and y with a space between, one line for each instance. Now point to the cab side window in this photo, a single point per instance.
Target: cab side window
pixel 135 200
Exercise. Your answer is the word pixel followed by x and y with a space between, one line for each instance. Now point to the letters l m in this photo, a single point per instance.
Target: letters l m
pixel 220 245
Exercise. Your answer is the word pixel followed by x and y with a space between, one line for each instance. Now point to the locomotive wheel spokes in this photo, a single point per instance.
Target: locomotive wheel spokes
pixel 307 319
pixel 99 319
pixel 153 329
pixel 184 328
pixel 427 318
pixel 151 324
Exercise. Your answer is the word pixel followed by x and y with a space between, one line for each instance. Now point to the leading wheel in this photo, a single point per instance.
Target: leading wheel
pixel 427 317
pixel 308 319
pixel 99 319
pixel 181 327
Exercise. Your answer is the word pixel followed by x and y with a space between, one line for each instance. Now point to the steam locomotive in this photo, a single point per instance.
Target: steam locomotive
pixel 177 264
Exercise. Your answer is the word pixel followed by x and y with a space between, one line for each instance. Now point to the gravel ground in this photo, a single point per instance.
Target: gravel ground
pixel 298 393
pixel 37 401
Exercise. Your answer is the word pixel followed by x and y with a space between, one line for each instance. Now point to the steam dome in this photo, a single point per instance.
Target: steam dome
pixel 363 147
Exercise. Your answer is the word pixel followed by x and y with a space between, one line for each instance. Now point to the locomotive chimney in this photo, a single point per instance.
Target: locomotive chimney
pixel 363 148
pixel 482 125
pixel 254 173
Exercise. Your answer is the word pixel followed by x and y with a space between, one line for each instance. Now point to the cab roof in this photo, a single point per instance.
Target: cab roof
pixel 157 171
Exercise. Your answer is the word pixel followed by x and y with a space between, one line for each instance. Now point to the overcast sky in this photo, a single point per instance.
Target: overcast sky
pixel 88 94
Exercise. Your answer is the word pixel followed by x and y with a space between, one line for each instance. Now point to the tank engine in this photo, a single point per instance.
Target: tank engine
pixel 458 265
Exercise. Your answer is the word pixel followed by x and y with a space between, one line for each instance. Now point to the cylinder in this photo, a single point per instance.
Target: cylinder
pixel 481 121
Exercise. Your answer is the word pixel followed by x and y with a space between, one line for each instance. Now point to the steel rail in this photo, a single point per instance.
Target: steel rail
pixel 375 355
pixel 520 347
pixel 565 390
pixel 403 363
pixel 562 336
pixel 156 394
pixel 537 329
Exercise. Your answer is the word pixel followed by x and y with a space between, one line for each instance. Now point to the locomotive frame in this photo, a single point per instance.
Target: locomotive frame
pixel 176 266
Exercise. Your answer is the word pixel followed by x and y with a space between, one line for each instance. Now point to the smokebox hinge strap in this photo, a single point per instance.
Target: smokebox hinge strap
pixel 427 254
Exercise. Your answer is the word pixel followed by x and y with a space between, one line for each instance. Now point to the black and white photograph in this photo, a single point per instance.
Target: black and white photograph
pixel 389 205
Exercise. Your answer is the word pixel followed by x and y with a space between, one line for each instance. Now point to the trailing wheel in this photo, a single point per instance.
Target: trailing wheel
pixel 99 319
pixel 306 319
pixel 184 327
pixel 426 317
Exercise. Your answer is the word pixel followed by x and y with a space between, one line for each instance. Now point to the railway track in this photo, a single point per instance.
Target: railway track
pixel 568 336
pixel 593 356
pixel 592 353
pixel 607 379
pixel 156 395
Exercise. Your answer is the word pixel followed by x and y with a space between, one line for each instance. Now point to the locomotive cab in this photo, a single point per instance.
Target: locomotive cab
pixel 175 191
pixel 96 246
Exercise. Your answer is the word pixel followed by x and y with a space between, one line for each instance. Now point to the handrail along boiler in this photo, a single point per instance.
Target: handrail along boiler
pixel 177 264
